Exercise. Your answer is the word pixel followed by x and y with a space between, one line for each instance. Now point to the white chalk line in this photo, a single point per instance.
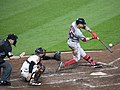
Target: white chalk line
pixel 109 64
pixel 93 86
pixel 74 80
pixel 64 74
pixel 114 61
pixel 112 68
pixel 12 80
pixel 18 87
pixel 53 75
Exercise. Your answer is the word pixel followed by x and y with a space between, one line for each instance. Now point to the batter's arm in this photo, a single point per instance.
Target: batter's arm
pixel 94 35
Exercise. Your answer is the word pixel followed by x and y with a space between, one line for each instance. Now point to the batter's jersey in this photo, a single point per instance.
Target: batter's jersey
pixel 75 34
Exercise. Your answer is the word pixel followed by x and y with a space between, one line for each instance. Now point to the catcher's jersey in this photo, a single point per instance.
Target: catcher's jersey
pixel 33 58
pixel 75 34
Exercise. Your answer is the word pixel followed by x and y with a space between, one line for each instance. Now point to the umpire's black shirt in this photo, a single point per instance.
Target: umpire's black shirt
pixel 5 49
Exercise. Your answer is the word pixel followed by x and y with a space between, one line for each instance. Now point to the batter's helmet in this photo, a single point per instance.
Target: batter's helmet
pixel 40 51
pixel 80 21
pixel 13 37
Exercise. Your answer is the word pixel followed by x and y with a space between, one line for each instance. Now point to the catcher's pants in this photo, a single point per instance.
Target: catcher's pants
pixel 77 48
pixel 25 69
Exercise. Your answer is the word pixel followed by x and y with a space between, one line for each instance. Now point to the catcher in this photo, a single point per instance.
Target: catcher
pixel 32 68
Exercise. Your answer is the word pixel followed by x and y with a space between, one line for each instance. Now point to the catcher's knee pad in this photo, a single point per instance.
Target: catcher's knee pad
pixel 36 75
pixel 40 69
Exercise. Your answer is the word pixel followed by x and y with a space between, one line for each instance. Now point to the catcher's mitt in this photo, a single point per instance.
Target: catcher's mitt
pixel 57 56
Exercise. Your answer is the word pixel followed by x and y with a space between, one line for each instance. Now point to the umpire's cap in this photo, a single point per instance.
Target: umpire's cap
pixel 13 37
pixel 80 21
pixel 40 51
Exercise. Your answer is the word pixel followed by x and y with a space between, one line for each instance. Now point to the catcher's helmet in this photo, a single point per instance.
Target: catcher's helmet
pixel 13 37
pixel 40 51
pixel 80 21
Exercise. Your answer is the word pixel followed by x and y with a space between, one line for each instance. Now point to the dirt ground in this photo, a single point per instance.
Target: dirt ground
pixel 80 76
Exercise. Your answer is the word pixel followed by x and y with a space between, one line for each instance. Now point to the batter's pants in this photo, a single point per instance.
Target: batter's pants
pixel 77 48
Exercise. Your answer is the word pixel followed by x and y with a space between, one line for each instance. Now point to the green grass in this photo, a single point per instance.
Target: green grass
pixel 45 23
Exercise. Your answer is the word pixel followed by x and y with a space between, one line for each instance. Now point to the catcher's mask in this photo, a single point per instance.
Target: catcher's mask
pixel 80 21
pixel 13 37
pixel 40 51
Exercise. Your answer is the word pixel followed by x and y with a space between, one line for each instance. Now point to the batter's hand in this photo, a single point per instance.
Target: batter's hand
pixel 94 35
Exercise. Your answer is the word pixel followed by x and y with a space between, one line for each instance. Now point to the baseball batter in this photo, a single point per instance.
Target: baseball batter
pixel 74 36
pixel 32 68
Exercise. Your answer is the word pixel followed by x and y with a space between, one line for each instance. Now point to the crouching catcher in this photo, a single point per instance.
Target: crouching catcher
pixel 32 68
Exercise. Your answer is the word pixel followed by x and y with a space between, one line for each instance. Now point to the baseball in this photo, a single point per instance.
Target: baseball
pixel 110 45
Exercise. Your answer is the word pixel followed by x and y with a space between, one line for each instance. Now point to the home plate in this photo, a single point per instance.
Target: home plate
pixel 98 73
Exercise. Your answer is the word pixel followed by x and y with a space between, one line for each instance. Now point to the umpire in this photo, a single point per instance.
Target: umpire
pixel 5 50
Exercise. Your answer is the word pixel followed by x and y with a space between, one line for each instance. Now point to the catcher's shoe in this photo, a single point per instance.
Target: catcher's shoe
pixel 97 65
pixel 34 83
pixel 61 65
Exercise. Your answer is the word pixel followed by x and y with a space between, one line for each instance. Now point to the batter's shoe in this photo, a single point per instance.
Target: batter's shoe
pixel 34 83
pixel 97 65
pixel 61 65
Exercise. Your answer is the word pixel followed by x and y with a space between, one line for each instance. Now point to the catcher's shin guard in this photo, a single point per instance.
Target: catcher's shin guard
pixel 41 69
pixel 37 73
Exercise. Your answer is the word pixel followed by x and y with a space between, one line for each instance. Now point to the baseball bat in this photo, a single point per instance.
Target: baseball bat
pixel 105 45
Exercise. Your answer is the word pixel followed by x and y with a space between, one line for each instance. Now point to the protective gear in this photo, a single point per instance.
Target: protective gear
pixel 94 35
pixel 80 21
pixel 40 51
pixel 13 37
pixel 35 75
pixel 57 56
pixel 93 63
pixel 41 68
pixel 89 59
